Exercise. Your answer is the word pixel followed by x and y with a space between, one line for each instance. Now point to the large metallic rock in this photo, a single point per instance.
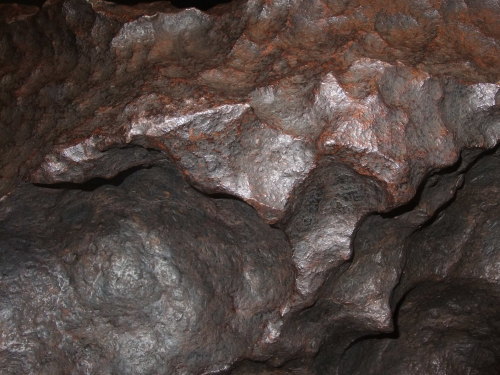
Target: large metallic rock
pixel 246 186
pixel 144 277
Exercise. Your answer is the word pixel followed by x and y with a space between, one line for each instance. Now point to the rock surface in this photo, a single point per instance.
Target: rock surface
pixel 249 187
pixel 445 328
pixel 134 278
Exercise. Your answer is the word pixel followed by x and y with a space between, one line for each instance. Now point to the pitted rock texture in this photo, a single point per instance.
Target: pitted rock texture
pixel 252 186
pixel 143 277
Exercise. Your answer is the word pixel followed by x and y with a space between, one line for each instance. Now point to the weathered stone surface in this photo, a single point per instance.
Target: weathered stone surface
pixel 463 241
pixel 397 254
pixel 193 84
pixel 143 277
pixel 359 130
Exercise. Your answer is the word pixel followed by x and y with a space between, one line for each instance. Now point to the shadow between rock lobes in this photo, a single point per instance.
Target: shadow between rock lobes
pixel 203 5
pixel 139 275
pixel 95 182
pixel 37 3
pixel 200 4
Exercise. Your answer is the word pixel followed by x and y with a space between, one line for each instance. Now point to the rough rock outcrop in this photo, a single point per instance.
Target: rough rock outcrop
pixel 248 186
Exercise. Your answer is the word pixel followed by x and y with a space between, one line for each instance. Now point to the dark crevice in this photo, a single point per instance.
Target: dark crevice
pixel 437 214
pixel 199 4
pixel 217 195
pixel 385 335
pixel 132 2
pixel 37 3
pixel 203 5
pixel 447 204
pixel 456 167
pixel 461 167
pixel 223 196
pixel 417 198
pixel 380 336
pixel 96 182
pixel 278 226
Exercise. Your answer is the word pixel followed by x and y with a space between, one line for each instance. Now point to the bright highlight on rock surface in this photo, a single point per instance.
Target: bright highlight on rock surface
pixel 249 187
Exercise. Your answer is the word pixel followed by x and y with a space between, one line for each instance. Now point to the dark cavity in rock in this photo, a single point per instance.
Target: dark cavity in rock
pixel 203 5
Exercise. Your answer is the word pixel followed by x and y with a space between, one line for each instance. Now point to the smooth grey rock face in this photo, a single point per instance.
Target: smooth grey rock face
pixel 254 187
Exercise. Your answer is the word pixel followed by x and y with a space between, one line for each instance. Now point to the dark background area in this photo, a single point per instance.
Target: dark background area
pixel 24 2
pixel 200 4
